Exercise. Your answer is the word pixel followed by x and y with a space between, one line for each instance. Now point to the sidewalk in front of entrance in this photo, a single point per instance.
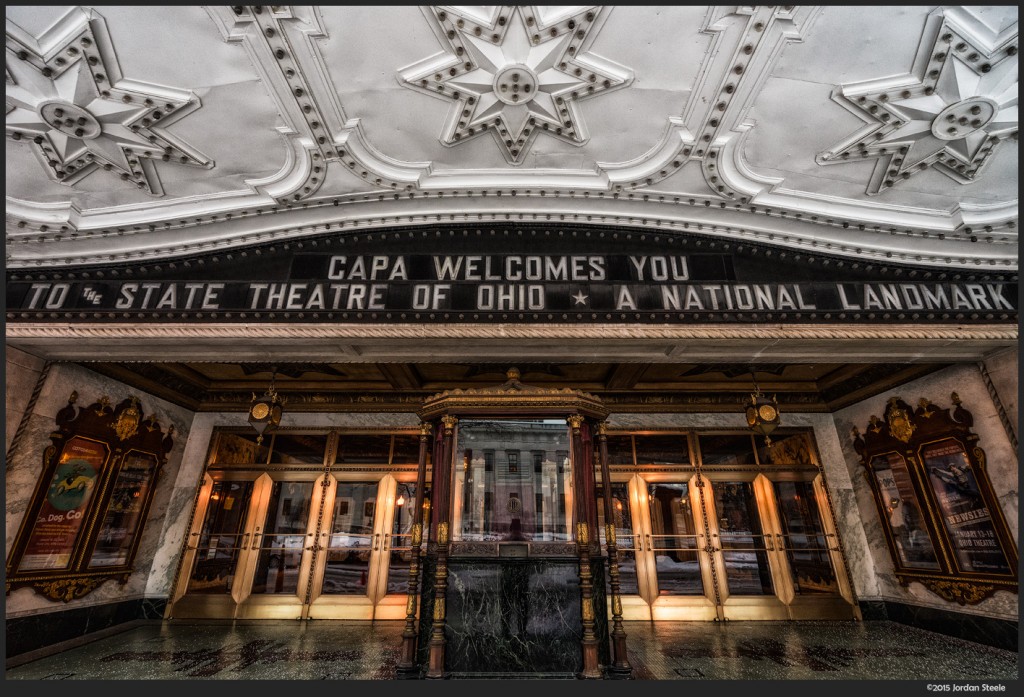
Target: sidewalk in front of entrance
pixel 346 650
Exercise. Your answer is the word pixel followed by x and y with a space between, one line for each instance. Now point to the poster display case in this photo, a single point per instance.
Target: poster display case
pixel 86 516
pixel 943 523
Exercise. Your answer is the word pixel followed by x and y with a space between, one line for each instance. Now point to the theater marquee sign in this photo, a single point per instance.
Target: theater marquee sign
pixel 511 274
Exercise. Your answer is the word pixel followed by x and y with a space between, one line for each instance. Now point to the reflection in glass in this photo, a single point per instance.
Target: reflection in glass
pixel 297 448
pixel 239 449
pixel 124 511
pixel 726 450
pixel 743 548
pixel 662 450
pixel 221 539
pixel 620 450
pixel 674 540
pixel 786 450
pixel 407 451
pixel 348 546
pixel 283 538
pixel 497 495
pixel 360 449
pixel 400 537
pixel 904 512
pixel 624 539
pixel 805 542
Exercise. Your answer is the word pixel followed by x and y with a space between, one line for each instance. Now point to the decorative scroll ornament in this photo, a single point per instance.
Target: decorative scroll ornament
pixel 951 113
pixel 900 425
pixel 127 424
pixel 68 589
pixel 515 72
pixel 961 592
pixel 67 99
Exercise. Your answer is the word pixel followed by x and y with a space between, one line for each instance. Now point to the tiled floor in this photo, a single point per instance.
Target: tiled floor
pixel 288 650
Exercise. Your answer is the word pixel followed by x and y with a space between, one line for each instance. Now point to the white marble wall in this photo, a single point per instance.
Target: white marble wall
pixel 22 374
pixel 845 503
pixel 967 381
pixel 1003 368
pixel 23 473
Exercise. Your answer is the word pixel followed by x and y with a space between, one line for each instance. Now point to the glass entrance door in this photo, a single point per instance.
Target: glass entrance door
pixel 362 569
pixel 747 535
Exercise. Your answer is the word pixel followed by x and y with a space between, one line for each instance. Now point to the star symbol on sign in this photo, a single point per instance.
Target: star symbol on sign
pixel 580 298
pixel 67 99
pixel 515 73
pixel 951 115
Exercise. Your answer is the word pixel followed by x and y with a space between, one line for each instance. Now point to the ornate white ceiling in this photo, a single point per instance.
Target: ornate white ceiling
pixel 149 132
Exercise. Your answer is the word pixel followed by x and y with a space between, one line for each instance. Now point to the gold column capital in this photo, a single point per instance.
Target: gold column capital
pixel 449 423
pixel 575 421
pixel 426 429
pixel 602 429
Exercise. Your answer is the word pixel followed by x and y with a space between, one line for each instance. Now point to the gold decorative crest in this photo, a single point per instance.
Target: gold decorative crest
pixel 899 421
pixel 962 592
pixel 127 424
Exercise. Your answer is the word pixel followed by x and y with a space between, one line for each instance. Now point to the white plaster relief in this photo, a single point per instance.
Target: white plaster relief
pixel 950 113
pixel 67 99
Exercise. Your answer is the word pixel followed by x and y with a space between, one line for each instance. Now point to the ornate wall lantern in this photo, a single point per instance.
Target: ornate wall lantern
pixel 265 412
pixel 762 413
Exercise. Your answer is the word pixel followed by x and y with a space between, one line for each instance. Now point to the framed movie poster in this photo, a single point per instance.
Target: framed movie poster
pixel 904 515
pixel 121 524
pixel 942 521
pixel 86 516
pixel 965 515
pixel 68 494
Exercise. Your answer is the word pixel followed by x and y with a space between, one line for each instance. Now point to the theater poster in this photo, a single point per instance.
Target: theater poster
pixel 59 520
pixel 965 515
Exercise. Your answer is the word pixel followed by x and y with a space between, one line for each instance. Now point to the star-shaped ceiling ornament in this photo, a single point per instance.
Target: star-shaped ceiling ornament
pixel 515 72
pixel 67 99
pixel 950 114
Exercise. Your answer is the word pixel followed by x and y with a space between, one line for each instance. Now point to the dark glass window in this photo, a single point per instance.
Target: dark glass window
pixel 662 449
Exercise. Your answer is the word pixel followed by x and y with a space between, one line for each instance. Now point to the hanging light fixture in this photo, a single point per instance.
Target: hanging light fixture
pixel 265 412
pixel 762 413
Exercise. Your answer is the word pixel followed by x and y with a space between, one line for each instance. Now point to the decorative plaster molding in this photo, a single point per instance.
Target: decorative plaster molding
pixel 950 113
pixel 510 331
pixel 283 43
pixel 67 99
pixel 514 75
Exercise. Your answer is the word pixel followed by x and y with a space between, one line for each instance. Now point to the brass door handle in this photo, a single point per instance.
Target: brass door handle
pixel 768 543
pixel 376 541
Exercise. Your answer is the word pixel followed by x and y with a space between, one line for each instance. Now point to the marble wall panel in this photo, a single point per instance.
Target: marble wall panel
pixel 967 381
pixel 25 463
pixel 20 378
pixel 513 617
pixel 1003 369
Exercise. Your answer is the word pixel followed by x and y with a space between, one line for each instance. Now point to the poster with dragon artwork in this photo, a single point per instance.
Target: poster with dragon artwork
pixel 71 489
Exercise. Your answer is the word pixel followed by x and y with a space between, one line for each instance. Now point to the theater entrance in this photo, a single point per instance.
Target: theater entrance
pixel 717 526
pixel 302 526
